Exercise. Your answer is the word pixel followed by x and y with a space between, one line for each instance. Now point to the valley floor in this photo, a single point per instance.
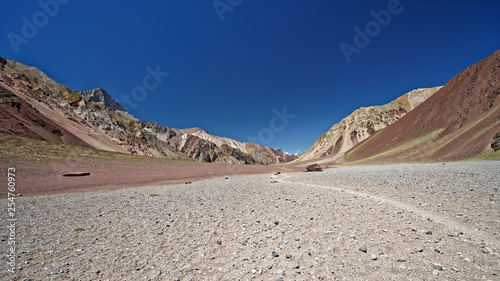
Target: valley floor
pixel 378 222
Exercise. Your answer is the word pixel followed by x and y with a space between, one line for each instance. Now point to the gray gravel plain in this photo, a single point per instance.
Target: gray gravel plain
pixel 378 222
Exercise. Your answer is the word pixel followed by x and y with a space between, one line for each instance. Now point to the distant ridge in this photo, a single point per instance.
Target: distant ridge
pixel 363 123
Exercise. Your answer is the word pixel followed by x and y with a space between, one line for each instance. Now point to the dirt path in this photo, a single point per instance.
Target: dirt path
pixel 451 225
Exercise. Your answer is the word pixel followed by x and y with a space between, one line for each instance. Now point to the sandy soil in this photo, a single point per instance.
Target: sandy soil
pixel 47 178
pixel 380 222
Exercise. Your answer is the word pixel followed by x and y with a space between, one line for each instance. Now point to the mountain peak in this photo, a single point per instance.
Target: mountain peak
pixel 99 95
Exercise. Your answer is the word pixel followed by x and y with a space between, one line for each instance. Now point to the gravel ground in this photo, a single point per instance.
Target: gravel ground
pixel 387 222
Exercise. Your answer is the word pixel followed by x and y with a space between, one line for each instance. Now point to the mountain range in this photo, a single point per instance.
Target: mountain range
pixel 458 121
pixel 35 106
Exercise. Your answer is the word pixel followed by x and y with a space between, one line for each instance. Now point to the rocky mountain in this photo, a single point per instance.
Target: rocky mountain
pixel 363 123
pixel 460 121
pixel 33 105
pixel 197 143
pixel 100 96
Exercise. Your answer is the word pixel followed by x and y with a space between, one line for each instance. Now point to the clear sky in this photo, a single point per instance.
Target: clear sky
pixel 233 65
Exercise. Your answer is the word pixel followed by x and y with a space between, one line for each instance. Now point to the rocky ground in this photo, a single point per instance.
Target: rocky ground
pixel 381 222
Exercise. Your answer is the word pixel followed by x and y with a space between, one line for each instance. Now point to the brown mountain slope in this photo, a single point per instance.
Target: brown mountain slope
pixel 458 122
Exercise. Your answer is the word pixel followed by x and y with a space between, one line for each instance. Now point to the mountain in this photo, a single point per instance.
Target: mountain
pixel 35 106
pixel 363 123
pixel 458 122
pixel 99 95
pixel 197 143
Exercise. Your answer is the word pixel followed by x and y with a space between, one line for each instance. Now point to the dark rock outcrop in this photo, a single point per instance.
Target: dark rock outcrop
pixel 496 142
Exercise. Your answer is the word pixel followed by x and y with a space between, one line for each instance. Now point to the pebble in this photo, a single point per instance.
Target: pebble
pixel 437 266
pixel 228 209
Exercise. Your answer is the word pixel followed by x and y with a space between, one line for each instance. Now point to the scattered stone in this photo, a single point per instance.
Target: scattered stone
pixel 288 256
pixel 274 181
pixel 275 254
pixel 362 249
pixel 429 232
pixel 296 266
pixel 401 260
pixel 76 174
pixel 374 257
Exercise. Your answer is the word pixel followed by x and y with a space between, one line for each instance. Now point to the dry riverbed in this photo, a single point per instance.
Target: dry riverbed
pixel 379 222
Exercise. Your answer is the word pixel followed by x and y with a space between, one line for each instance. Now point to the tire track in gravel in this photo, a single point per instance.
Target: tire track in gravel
pixel 449 224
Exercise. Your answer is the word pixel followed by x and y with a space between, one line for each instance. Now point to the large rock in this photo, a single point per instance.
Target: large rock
pixel 313 168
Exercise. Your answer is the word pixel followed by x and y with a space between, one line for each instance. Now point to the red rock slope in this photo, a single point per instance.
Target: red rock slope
pixel 458 122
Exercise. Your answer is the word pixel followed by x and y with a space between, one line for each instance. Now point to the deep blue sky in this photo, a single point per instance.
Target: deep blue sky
pixel 228 76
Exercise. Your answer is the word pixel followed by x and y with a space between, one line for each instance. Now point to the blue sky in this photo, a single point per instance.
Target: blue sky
pixel 234 65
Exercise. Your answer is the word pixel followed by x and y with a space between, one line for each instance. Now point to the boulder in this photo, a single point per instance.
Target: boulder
pixel 496 142
pixel 313 168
